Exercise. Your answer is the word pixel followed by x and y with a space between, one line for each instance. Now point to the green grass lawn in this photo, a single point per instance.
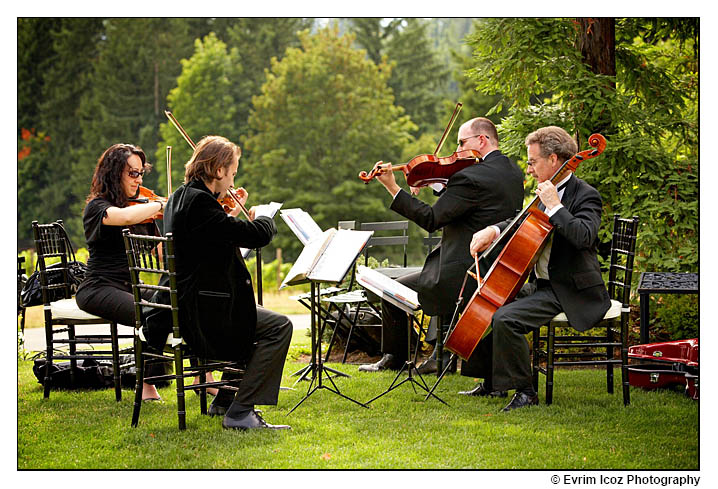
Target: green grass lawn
pixel 585 428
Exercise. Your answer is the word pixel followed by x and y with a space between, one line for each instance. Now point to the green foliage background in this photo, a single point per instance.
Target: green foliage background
pixel 313 103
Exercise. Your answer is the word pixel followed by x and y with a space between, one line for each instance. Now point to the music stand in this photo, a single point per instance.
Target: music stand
pixel 316 365
pixel 304 371
pixel 452 325
pixel 409 365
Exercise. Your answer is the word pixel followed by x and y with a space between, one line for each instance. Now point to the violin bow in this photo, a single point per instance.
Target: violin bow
pixel 454 116
pixel 186 137
pixel 169 171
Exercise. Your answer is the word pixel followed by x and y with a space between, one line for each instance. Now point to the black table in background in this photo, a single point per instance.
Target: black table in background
pixel 662 283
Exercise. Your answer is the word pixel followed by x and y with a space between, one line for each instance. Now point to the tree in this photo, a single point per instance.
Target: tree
pixel 419 78
pixel 34 46
pixel 260 40
pixel 647 112
pixel 44 165
pixel 211 97
pixel 325 113
pixel 136 66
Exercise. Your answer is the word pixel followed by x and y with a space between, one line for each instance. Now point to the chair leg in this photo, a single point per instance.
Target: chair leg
pixel 549 363
pixel 535 358
pixel 73 352
pixel 609 357
pixel 203 390
pixel 116 361
pixel 334 331
pixel 624 361
pixel 140 369
pixel 179 380
pixel 48 356
pixel 351 330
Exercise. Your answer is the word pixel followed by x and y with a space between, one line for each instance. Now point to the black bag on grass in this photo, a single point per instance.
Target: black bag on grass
pixel 93 374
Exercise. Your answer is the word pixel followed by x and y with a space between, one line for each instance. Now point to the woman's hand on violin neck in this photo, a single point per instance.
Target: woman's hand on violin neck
pixel 386 177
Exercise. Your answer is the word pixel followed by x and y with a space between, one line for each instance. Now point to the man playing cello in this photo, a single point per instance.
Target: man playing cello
pixel 567 275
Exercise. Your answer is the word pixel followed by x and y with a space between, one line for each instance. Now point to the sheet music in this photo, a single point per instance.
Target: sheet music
pixel 308 258
pixel 268 210
pixel 340 255
pixel 387 288
pixel 301 224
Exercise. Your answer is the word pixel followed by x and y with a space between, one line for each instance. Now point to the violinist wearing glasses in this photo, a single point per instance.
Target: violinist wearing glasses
pixel 217 310
pixel 476 196
pixel 111 206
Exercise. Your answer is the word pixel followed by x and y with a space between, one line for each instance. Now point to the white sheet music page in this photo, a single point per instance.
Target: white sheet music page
pixel 268 210
pixel 308 258
pixel 301 224
pixel 340 255
pixel 388 288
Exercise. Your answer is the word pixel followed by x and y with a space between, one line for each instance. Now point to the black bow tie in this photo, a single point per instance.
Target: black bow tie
pixel 562 186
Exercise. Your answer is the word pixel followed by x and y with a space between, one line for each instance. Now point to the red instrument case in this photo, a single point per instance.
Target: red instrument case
pixel 668 364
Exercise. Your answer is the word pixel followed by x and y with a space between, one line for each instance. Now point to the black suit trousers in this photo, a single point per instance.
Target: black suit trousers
pixel 502 358
pixel 263 374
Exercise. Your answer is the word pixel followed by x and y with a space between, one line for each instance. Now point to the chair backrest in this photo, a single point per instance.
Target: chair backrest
pixel 395 240
pixel 346 225
pixel 52 243
pixel 623 246
pixel 154 257
pixel 430 242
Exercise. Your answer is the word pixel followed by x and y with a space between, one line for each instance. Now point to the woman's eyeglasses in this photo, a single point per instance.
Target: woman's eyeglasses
pixel 135 173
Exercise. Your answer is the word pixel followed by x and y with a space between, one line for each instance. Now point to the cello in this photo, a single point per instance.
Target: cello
pixel 427 169
pixel 509 271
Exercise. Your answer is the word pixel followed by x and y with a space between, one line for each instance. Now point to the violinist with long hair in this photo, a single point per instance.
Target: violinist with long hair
pixel 106 290
pixel 217 310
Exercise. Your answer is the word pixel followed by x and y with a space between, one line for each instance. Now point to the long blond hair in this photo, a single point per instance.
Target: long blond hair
pixel 210 154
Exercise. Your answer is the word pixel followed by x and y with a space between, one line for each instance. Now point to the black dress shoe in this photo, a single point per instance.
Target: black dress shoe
pixel 215 410
pixel 430 366
pixel 250 421
pixel 521 400
pixel 481 390
pixel 388 361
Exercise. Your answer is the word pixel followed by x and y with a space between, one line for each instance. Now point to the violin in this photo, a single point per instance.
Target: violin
pixel 428 169
pixel 511 268
pixel 228 202
pixel 144 196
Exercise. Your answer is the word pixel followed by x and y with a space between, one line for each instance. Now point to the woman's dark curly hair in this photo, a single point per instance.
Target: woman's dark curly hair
pixel 106 181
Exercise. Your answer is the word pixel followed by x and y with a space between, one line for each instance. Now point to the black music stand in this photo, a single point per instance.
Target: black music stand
pixel 409 365
pixel 316 365
pixel 452 325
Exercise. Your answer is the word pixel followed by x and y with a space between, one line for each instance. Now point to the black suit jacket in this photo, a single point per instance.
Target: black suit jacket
pixel 217 311
pixel 573 268
pixel 474 198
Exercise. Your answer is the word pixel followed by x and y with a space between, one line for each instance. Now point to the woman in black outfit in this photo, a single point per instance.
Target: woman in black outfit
pixel 106 290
